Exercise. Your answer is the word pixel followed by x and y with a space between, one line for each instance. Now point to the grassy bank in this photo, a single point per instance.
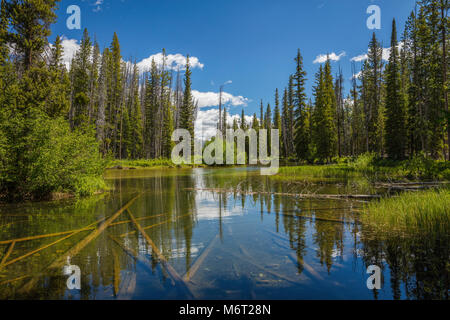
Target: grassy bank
pixel 146 163
pixel 373 169
pixel 427 212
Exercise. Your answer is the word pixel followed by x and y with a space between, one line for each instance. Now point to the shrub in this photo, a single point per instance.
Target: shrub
pixel 44 156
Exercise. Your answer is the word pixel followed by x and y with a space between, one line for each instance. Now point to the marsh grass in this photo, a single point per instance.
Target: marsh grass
pixel 427 212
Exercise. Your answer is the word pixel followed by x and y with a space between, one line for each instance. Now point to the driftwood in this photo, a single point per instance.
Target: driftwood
pixel 198 262
pixel 61 261
pixel 298 195
pixel 170 270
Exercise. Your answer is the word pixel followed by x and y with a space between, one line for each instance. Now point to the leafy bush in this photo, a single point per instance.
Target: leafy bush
pixel 364 162
pixel 44 156
pixel 421 167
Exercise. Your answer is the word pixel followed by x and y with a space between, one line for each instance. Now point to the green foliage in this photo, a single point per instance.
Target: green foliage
pixel 49 158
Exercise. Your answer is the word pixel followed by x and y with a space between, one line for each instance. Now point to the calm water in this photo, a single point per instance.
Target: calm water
pixel 226 243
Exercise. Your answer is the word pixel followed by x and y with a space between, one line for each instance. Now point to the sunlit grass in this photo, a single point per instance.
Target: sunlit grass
pixel 425 211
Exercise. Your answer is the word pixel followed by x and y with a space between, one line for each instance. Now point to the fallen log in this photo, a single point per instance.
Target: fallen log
pixel 298 195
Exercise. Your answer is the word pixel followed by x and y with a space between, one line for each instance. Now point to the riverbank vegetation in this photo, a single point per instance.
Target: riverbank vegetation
pixel 418 168
pixel 427 212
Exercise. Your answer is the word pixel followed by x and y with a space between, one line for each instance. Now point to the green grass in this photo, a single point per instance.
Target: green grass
pixel 373 169
pixel 426 211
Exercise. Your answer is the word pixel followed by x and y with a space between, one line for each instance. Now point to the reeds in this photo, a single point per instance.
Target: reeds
pixel 425 211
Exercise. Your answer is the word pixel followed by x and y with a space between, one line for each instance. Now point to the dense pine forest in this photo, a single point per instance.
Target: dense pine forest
pixel 58 125
pixel 395 110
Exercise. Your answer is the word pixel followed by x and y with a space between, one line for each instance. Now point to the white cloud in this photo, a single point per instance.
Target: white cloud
pixel 359 58
pixel 385 55
pixel 173 61
pixel 211 99
pixel 206 123
pixel 332 56
pixel 70 47
pixel 356 76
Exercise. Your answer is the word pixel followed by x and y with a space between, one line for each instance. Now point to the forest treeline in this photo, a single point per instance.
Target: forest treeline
pixel 397 109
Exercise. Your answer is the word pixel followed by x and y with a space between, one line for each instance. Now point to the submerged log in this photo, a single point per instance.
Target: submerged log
pixel 61 261
pixel 7 254
pixel 298 195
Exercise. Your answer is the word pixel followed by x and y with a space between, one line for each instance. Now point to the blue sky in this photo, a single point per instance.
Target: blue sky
pixel 249 42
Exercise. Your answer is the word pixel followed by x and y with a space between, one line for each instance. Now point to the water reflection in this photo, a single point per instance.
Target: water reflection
pixel 214 234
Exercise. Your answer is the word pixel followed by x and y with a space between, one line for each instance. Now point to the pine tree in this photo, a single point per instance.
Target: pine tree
pixel 262 115
pixel 268 126
pixel 187 108
pixel 395 105
pixel 31 22
pixel 285 121
pixel 300 117
pixel 4 24
pixel 150 109
pixel 243 124
pixel 255 123
pixel 58 99
pixel 93 84
pixel 277 115
pixel 79 113
pixel 115 99
pixel 372 103
pixel 136 120
pixel 324 114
